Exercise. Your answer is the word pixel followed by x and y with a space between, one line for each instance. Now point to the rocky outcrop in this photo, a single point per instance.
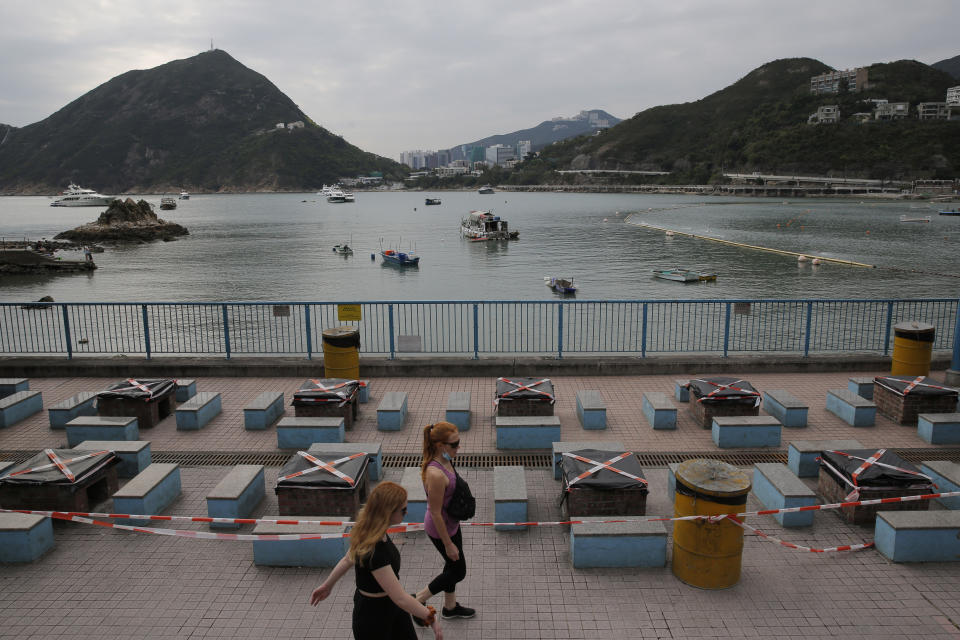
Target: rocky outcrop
pixel 125 221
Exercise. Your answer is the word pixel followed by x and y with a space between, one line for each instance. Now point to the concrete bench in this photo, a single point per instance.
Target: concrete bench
pixel 591 409
pixel 863 387
pixel 802 454
pixel 781 404
pixel 19 406
pixel 509 497
pixel 24 537
pixel 562 447
pixel 639 543
pixel 10 386
pixel 851 408
pixel 319 552
pixel 745 431
pixel 184 390
pixel 263 411
pixel 939 428
pixel 392 412
pixel 300 433
pixel 659 411
pixel 237 495
pixel 681 391
pixel 374 451
pixel 918 536
pixel 416 494
pixel 527 432
pixel 82 404
pixel 134 454
pixel 946 475
pixel 363 393
pixel 458 409
pixel 777 488
pixel 195 413
pixel 101 428
pixel 149 493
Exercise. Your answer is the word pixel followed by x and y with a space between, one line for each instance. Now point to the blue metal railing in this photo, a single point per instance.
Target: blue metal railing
pixel 474 328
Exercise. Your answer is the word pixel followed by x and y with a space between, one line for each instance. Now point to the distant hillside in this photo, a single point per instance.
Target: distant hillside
pixel 206 123
pixel 759 123
pixel 550 131
pixel 950 65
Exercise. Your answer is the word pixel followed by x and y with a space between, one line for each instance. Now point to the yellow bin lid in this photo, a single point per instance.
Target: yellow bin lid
pixel 713 478
pixel 914 331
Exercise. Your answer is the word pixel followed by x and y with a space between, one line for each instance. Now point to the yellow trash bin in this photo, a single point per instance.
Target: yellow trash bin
pixel 341 353
pixel 912 348
pixel 707 554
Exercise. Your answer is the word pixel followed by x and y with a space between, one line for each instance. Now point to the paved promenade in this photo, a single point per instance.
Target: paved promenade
pixel 101 583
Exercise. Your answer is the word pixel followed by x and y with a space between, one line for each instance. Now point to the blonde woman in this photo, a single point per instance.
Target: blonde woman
pixel 441 442
pixel 381 607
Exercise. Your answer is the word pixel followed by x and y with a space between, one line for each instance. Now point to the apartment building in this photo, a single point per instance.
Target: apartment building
pixel 830 82
pixel 892 111
pixel 826 114
pixel 933 111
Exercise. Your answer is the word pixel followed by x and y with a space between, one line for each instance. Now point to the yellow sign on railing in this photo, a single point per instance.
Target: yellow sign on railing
pixel 348 312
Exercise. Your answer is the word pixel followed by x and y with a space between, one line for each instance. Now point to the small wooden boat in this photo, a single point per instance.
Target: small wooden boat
pixel 343 249
pixel 909 219
pixel 685 275
pixel 560 285
pixel 401 258
pixel 433 201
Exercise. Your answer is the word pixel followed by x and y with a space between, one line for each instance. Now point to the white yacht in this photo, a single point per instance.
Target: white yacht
pixel 76 196
pixel 184 195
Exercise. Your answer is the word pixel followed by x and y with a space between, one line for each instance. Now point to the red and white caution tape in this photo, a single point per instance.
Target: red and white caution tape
pixel 326 466
pixel 53 464
pixel 796 547
pixel 602 465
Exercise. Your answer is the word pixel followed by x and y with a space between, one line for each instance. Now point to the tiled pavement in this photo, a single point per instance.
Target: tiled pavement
pixel 100 583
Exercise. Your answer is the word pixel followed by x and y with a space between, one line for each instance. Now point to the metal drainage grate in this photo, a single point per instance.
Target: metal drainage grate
pixel 528 460
pixel 216 458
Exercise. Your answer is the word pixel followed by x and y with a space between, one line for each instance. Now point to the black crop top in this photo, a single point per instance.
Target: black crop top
pixel 385 553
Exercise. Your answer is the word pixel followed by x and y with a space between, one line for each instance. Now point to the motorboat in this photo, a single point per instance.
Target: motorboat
pixel 348 197
pixel 325 191
pixel 401 258
pixel 432 201
pixel 336 195
pixel 77 196
pixel 950 212
pixel 184 195
pixel 167 203
pixel 483 225
pixel 485 190
pixel 685 275
pixel 909 219
pixel 343 249
pixel 560 285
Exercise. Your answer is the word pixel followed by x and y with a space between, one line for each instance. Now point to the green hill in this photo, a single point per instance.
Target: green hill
pixel 950 65
pixel 206 123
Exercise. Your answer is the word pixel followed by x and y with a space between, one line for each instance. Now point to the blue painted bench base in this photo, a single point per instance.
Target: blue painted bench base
pixel 101 428
pixel 777 488
pixel 946 475
pixel 509 497
pixel 300 433
pixel 392 412
pixel 851 408
pixel 863 387
pixel 527 432
pixel 416 495
pixel 374 451
pixel 802 454
pixel 184 390
pixel 730 432
pixel 939 428
pixel 153 490
pixel 134 455
pixel 198 411
pixel 19 406
pixel 918 536
pixel 24 537
pixel 659 411
pixel 458 409
pixel 263 411
pixel 363 395
pixel 322 552
pixel 628 544
pixel 82 404
pixel 785 408
pixel 237 495
pixel 10 386
pixel 591 409
pixel 681 391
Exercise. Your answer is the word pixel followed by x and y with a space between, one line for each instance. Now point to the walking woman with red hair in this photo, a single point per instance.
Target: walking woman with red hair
pixel 441 441
pixel 381 607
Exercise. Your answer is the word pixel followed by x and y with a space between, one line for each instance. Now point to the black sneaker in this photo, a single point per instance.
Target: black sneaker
pixel 458 611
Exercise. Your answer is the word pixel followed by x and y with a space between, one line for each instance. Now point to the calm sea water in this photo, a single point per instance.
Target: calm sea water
pixel 279 247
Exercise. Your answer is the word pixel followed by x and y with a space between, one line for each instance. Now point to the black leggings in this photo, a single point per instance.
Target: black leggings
pixel 380 619
pixel 453 572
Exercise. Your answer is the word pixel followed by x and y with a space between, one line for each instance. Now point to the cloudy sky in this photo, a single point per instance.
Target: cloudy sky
pixel 397 75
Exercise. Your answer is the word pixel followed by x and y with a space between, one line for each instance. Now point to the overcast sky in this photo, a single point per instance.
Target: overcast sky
pixel 396 75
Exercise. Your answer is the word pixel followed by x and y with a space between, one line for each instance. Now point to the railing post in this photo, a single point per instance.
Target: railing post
pixel 306 320
pixel 643 335
pixel 476 331
pixel 886 336
pixel 393 351
pixel 955 361
pixel 806 340
pixel 726 329
pixel 226 331
pixel 66 332
pixel 146 330
pixel 560 330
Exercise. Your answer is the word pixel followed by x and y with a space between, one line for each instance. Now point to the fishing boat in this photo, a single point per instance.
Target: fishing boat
pixel 343 249
pixel 77 196
pixel 483 225
pixel 401 258
pixel 909 219
pixel 950 212
pixel 433 201
pixel 485 190
pixel 167 203
pixel 560 285
pixel 684 275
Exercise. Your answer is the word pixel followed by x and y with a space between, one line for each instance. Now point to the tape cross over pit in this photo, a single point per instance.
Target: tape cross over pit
pixel 602 465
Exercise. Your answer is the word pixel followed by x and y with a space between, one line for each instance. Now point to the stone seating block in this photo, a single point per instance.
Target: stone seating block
pixel 416 494
pixel 374 451
pixel 82 404
pixel 300 433
pixel 591 409
pixel 680 390
pixel 195 413
pixel 946 475
pixel 319 552
pixel 939 428
pixel 783 406
pixel 4 466
pixel 458 409
pixel 562 447
pixel 237 495
pixel 134 454
pixel 659 411
pixel 10 386
pixel 509 497
pixel 778 488
pixel 802 454
pixel 851 408
pixel 527 432
pixel 184 390
pixel 730 432
pixel 149 493
pixel 392 411
pixel 24 537
pixel 19 406
pixel 918 536
pixel 101 428
pixel 363 393
pixel 263 410
pixel 863 387
pixel 627 544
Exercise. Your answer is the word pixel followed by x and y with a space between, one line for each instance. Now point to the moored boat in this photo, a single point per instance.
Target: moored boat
pixel 167 203
pixel 560 285
pixel 433 201
pixel 909 219
pixel 336 195
pixel 184 195
pixel 77 196
pixel 950 212
pixel 483 225
pixel 485 190
pixel 684 275
pixel 401 258
pixel 343 249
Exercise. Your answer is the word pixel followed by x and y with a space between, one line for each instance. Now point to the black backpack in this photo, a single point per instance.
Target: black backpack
pixel 462 505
